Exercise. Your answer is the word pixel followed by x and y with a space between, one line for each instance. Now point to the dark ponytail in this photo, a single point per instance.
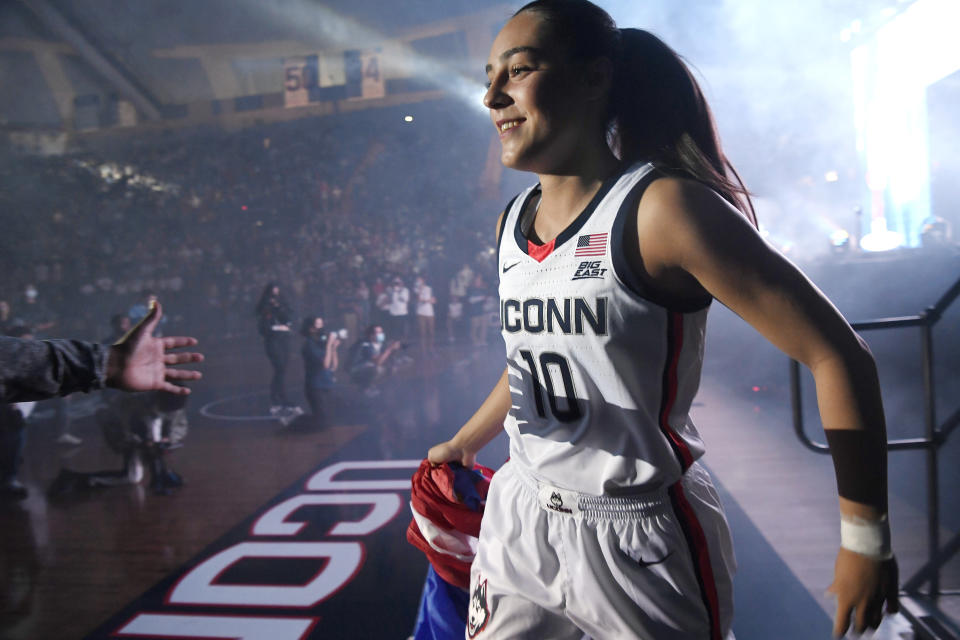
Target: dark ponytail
pixel 657 111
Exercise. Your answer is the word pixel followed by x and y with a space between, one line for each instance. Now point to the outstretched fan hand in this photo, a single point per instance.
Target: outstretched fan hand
pixel 139 361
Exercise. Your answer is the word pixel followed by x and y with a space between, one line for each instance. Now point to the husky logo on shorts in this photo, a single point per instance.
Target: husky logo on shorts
pixel 479 614
pixel 556 503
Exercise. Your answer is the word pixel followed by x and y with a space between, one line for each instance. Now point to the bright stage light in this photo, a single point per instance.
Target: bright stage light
pixel 880 238
pixel 839 238
pixel 891 74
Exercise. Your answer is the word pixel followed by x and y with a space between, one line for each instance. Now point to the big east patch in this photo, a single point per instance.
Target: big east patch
pixel 589 269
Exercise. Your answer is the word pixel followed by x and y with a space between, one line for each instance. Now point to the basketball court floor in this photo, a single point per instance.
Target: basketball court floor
pixel 290 532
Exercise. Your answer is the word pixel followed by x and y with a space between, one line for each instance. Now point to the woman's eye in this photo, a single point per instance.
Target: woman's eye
pixel 517 70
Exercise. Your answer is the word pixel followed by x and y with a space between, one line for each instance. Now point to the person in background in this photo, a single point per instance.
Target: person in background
pixel 320 361
pixel 368 359
pixel 274 321
pixel 39 319
pixel 142 428
pixel 425 316
pixel 362 295
pixel 381 299
pixel 33 313
pixel 351 307
pixel 5 316
pixel 454 318
pixel 140 309
pixel 476 302
pixel 120 324
pixel 399 308
pixel 13 424
pixel 461 281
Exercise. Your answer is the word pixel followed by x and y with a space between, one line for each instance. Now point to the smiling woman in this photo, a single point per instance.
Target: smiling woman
pixel 639 221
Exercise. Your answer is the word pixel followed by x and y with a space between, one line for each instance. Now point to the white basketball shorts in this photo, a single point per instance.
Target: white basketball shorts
pixel 556 564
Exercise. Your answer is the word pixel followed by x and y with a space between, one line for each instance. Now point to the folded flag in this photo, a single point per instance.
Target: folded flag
pixel 447 503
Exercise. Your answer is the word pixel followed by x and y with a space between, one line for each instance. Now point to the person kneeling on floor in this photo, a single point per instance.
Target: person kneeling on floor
pixel 142 428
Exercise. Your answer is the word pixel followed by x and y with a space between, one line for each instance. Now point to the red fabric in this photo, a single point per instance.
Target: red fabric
pixel 697 541
pixel 670 390
pixel 539 252
pixel 454 571
pixel 433 495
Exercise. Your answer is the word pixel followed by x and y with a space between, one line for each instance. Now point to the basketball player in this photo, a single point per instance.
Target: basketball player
pixel 603 523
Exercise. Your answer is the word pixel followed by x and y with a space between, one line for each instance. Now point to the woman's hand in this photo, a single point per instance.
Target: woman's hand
pixel 862 585
pixel 449 451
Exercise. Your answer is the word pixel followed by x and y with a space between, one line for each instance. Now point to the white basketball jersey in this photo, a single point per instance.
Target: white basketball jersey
pixel 601 377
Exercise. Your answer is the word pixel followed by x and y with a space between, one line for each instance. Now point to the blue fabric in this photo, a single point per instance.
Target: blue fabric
pixel 465 484
pixel 443 610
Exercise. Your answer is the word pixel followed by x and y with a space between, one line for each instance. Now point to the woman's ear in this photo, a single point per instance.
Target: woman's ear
pixel 597 78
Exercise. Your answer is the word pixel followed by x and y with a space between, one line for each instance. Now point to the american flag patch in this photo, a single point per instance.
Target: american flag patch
pixel 594 244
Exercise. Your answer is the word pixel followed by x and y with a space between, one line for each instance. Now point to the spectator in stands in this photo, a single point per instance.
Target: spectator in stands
pixel 425 308
pixel 476 302
pixel 5 316
pixel 120 324
pixel 351 308
pixel 399 308
pixel 34 313
pixel 362 295
pixel 459 284
pixel 461 281
pixel 381 299
pixel 454 318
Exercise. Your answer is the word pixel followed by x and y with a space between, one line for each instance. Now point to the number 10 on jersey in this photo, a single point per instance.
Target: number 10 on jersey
pixel 545 368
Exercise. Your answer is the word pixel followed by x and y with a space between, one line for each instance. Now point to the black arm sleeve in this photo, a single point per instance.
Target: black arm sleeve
pixel 38 369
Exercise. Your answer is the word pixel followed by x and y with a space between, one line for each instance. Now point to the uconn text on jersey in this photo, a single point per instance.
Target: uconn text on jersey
pixel 565 316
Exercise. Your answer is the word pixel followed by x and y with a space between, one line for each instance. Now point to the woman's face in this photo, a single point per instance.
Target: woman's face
pixel 317 324
pixel 533 96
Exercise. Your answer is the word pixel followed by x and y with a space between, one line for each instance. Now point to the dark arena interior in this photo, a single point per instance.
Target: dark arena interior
pixel 201 153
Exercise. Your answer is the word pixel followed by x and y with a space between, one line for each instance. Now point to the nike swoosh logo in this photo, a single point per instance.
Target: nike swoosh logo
pixel 506 268
pixel 644 563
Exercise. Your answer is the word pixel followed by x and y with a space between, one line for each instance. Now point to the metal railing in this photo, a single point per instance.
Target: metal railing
pixel 926 617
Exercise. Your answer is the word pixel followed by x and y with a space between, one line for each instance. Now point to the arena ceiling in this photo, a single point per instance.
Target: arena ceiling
pixel 169 50
pixel 178 52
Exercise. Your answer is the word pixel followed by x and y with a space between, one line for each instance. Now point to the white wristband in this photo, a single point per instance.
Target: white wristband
pixel 865 537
